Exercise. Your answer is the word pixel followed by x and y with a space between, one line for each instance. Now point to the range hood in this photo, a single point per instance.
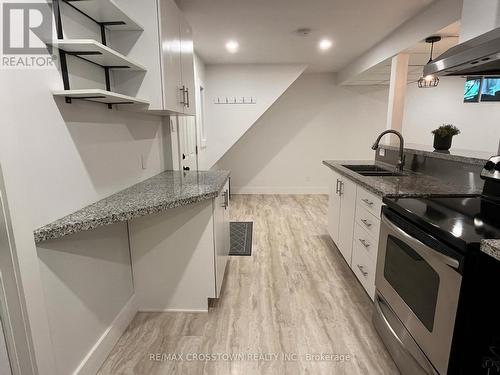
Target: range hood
pixel 476 57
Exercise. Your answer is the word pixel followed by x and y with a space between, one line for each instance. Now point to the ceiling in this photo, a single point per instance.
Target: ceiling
pixel 265 29
pixel 419 56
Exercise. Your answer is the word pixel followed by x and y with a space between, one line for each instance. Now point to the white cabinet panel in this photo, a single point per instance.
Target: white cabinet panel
pixel 170 50
pixel 368 222
pixel 370 201
pixel 364 267
pixel 347 213
pixel 222 239
pixel 334 207
pixel 187 66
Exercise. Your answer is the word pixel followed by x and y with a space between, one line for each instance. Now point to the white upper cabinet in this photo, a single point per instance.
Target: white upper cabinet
pixel 176 59
pixel 165 47
pixel 170 55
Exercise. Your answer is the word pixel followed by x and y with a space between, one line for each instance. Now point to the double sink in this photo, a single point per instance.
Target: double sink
pixel 372 170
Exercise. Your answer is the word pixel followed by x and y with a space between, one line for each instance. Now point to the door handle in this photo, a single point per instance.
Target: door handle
pixel 368 202
pixel 341 191
pixel 364 243
pixel 337 189
pixel 362 270
pixel 183 90
pixel 226 199
pixel 366 222
pixel 187 97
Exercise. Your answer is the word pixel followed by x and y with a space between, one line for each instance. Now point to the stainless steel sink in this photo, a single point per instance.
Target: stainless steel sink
pixel 372 170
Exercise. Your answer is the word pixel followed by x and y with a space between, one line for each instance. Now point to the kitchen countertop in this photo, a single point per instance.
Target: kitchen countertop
pixel 491 247
pixel 156 194
pixel 409 185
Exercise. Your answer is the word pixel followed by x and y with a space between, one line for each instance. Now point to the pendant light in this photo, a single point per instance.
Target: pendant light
pixel 430 80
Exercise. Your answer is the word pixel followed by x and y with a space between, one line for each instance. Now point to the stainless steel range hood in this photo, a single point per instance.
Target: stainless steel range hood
pixel 475 57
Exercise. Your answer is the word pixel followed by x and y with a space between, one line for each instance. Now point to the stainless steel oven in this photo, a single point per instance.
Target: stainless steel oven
pixel 418 286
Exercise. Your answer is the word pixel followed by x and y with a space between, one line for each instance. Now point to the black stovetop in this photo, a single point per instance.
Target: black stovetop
pixel 462 222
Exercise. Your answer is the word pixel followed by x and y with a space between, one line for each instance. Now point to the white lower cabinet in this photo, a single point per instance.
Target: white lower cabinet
pixel 341 213
pixel 354 224
pixel 221 236
pixel 179 256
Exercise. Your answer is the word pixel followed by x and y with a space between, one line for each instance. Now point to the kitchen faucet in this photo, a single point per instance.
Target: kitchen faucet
pixel 401 161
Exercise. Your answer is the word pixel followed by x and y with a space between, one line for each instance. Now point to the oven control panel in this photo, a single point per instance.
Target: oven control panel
pixel 491 169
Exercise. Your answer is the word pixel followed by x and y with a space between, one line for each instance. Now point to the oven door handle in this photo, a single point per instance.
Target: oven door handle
pixel 416 244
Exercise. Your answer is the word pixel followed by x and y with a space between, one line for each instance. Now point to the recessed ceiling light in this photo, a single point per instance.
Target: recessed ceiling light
pixel 232 46
pixel 325 44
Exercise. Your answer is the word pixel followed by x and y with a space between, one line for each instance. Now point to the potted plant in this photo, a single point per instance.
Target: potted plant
pixel 443 136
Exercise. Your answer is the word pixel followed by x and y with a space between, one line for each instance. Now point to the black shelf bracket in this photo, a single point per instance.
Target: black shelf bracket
pixel 56 8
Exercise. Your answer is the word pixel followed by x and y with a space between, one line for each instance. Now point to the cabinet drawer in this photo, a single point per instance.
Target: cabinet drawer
pixel 368 221
pixel 364 267
pixel 365 241
pixel 369 201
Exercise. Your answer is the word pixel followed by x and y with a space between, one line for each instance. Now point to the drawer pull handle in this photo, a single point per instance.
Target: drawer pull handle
pixel 362 270
pixel 364 243
pixel 368 202
pixel 366 222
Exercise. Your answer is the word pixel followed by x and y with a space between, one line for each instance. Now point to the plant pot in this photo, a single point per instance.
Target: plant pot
pixel 442 143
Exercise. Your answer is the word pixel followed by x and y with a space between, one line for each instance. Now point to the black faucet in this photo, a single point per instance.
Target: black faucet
pixel 401 162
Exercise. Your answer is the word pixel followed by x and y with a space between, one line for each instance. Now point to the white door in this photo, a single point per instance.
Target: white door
pixel 15 345
pixel 188 149
pixel 334 207
pixel 347 215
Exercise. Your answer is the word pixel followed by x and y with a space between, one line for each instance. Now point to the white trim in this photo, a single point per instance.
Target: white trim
pixel 100 351
pixel 175 310
pixel 279 190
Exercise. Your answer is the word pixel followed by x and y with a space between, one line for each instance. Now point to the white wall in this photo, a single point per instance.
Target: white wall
pixel 426 109
pixel 58 158
pixel 227 123
pixel 312 121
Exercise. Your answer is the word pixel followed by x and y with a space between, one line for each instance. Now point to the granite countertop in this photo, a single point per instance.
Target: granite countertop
pixel 156 194
pixel 491 247
pixel 410 185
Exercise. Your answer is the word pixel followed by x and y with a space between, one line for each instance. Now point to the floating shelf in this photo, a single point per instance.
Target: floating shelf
pixel 100 96
pixel 106 13
pixel 93 51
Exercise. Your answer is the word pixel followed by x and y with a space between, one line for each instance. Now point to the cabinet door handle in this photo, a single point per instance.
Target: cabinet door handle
pixel 187 97
pixel 341 188
pixel 368 202
pixel 362 270
pixel 226 199
pixel 366 222
pixel 183 89
pixel 337 189
pixel 364 243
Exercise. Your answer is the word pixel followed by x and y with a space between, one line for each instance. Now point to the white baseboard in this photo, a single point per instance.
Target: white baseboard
pixel 288 190
pixel 175 310
pixel 100 351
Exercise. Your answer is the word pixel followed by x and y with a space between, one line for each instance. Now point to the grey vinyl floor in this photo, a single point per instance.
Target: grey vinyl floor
pixel 293 307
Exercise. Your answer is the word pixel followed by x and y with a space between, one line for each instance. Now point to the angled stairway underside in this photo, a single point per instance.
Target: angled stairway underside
pixel 227 123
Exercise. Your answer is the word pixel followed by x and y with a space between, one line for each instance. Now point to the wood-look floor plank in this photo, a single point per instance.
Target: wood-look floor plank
pixel 294 295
